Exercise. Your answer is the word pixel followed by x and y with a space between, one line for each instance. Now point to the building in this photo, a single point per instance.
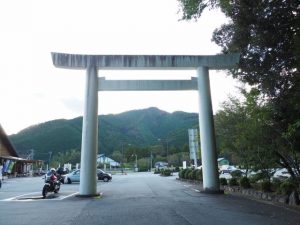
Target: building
pixel 12 164
pixel 102 159
pixel 222 162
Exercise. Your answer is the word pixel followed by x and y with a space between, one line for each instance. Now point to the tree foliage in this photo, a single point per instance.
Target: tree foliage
pixel 267 34
pixel 245 131
pixel 72 156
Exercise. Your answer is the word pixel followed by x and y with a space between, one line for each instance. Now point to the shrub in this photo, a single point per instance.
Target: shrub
pixel 287 187
pixel 223 181
pixel 275 184
pixel 233 182
pixel 181 173
pixel 244 182
pixel 193 175
pixel 166 172
pixel 156 171
pixel 236 173
pixel 265 186
pixel 258 176
pixel 185 174
pixel 190 174
pixel 199 175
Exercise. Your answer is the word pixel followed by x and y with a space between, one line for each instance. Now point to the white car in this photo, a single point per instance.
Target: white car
pixel 281 173
pixel 225 174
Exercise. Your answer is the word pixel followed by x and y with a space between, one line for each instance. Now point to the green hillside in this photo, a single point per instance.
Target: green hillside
pixel 140 128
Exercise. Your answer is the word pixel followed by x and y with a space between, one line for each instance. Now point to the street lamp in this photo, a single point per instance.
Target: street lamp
pixel 135 162
pixel 122 163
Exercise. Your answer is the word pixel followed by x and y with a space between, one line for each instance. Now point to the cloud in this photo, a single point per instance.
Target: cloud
pixel 75 105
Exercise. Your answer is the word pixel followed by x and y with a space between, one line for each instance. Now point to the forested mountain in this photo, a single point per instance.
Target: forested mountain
pixel 138 127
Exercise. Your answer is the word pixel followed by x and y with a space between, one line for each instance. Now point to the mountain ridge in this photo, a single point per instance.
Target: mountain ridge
pixel 141 127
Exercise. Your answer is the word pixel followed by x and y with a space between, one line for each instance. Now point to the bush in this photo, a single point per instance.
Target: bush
pixel 265 186
pixel 223 181
pixel 157 171
pixel 258 177
pixel 233 182
pixel 184 173
pixel 166 172
pixel 193 175
pixel 275 184
pixel 244 182
pixel 287 187
pixel 236 173
pixel 180 174
pixel 190 174
pixel 199 175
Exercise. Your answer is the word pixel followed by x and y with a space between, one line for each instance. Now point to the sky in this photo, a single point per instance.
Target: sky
pixel 33 91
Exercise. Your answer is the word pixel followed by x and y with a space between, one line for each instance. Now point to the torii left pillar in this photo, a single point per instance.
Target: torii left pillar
pixel 89 145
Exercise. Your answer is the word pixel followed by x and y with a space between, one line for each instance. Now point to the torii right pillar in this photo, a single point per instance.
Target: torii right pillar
pixel 207 134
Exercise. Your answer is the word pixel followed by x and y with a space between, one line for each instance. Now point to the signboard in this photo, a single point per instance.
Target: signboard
pixel 193 144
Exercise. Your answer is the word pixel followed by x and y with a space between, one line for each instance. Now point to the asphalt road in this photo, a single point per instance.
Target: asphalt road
pixel 139 198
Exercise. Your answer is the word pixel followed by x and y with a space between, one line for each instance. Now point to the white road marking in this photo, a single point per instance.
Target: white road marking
pixel 15 197
pixel 68 196
pixel 36 198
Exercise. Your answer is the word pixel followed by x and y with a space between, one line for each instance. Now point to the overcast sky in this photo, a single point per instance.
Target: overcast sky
pixel 32 90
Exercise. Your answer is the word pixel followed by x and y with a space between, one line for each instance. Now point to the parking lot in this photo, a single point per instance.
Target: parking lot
pixel 136 198
pixel 30 189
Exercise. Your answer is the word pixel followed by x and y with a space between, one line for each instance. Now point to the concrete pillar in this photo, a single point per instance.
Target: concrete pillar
pixel 89 146
pixel 207 134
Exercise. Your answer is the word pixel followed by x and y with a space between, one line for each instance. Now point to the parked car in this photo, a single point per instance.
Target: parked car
pixel 225 174
pixel 75 176
pixel 281 173
pixel 103 175
pixel 161 165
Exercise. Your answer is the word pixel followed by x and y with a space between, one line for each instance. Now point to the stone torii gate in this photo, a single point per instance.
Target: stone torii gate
pixel 93 63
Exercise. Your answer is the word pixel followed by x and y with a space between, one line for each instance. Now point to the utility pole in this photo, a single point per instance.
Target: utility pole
pixel 151 161
pixel 122 163
pixel 167 145
pixel 50 154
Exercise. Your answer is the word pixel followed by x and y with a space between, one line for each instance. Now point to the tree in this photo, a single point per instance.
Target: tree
pixel 269 62
pixel 244 132
pixel 71 156
pixel 117 156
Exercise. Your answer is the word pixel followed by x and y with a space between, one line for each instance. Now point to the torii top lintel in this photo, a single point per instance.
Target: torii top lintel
pixel 123 62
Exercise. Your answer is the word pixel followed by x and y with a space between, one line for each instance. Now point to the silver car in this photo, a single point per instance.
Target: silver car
pixel 72 177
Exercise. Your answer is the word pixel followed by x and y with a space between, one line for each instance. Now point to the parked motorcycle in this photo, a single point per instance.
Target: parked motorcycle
pixel 52 184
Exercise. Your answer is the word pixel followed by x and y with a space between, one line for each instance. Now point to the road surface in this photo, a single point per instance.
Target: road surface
pixel 137 198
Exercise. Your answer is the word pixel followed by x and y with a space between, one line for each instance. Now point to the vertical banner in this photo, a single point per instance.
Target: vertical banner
pixel 193 144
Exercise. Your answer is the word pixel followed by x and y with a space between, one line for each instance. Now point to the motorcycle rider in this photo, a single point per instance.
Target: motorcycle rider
pixel 51 184
pixel 53 177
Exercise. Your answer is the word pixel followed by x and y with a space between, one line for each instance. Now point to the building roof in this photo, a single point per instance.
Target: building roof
pixel 6 142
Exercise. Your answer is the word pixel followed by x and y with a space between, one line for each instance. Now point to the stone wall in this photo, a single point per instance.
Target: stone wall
pixel 292 199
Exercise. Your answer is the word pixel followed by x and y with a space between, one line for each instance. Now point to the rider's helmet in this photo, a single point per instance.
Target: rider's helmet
pixel 53 171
